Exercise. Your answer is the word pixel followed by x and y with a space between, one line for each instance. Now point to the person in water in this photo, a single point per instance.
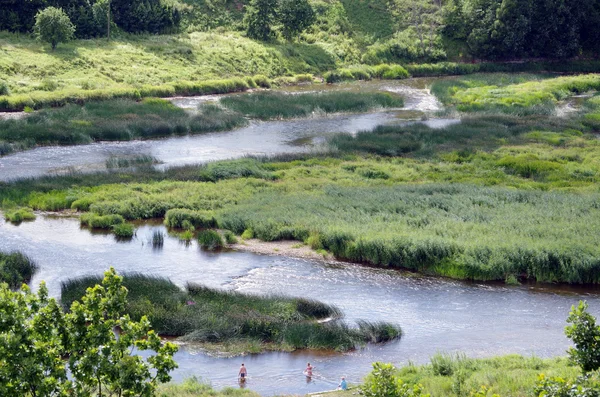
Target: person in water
pixel 343 385
pixel 308 370
pixel 243 373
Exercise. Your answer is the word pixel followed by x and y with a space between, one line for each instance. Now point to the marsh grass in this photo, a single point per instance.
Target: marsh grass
pixel 210 240
pixel 158 239
pixel 123 230
pixel 516 94
pixel 96 221
pixel 18 215
pixel 117 120
pixel 206 315
pixel 138 160
pixel 277 105
pixel 16 268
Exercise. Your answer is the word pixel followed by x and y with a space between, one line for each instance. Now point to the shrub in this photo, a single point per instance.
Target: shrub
pixel 383 382
pixel 210 240
pixel 248 234
pixel 585 335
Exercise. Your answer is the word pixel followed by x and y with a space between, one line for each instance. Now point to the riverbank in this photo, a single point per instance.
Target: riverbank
pixel 86 70
pixel 458 375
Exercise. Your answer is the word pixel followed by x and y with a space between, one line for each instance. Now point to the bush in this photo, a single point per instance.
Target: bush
pixel 585 335
pixel 4 90
pixel 383 382
pixel 210 240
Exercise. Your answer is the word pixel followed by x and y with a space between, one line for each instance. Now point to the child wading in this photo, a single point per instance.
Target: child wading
pixel 243 372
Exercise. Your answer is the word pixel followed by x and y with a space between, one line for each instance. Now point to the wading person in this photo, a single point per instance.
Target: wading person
pixel 243 373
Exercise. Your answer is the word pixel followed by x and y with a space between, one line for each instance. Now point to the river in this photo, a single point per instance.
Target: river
pixel 436 314
pixel 258 138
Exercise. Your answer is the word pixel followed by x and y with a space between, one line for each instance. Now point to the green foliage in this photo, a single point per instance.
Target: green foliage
pixel 210 240
pixel 382 71
pixel 587 385
pixel 19 215
pixel 259 19
pixel 295 16
pixel 16 269
pixel 40 342
pixel 53 26
pixel 383 382
pixel 207 315
pixel 585 335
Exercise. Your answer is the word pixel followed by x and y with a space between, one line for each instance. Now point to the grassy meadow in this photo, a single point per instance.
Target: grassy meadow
pixel 235 322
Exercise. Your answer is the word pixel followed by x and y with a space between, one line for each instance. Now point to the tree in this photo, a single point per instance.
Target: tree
pixel 259 19
pixel 52 25
pixel 38 341
pixel 424 17
pixel 295 16
pixel 585 335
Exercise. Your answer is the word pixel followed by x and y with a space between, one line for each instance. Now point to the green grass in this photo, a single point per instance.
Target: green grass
pixel 195 388
pixel 203 315
pixel 276 105
pixel 123 230
pixel 523 95
pixel 507 376
pixel 16 269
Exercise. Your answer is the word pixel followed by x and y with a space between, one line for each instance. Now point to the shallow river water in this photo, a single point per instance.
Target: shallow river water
pixel 259 138
pixel 435 314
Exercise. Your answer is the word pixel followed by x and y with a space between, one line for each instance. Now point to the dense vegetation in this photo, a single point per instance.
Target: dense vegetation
pixel 16 269
pixel 47 352
pixel 501 196
pixel 238 321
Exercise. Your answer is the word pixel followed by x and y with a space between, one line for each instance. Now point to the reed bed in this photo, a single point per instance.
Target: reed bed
pixel 16 268
pixel 18 215
pixel 201 314
pixel 277 105
pixel 118 120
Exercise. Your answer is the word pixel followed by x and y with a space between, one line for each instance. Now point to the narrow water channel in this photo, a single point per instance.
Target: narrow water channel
pixel 436 314
pixel 259 138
